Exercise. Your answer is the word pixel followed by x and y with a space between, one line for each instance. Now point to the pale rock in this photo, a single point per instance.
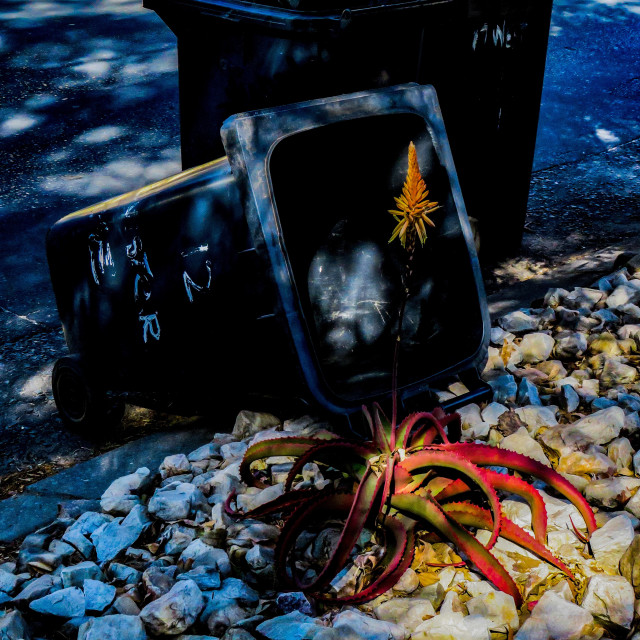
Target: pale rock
pixel 114 538
pixel 518 321
pixel 604 343
pixel 621 452
pixel 453 626
pixel 527 393
pixel 621 296
pixel 492 412
pixel 615 372
pixel 226 480
pixel 499 335
pixel 536 417
pixel 482 587
pixel 175 465
pixel 582 298
pixel 9 582
pixel 589 389
pixel 579 482
pixel 291 626
pixel 233 450
pixel 636 462
pixel 586 463
pixel 174 612
pixel 75 575
pixel 451 603
pixel 553 618
pixel 555 297
pixel 176 501
pixel 248 423
pixel 611 492
pixel 610 597
pixel 177 538
pixel 122 494
pixel 112 627
pixel 554 369
pixel 248 501
pixel 522 442
pixel 570 344
pixel 407 583
pixel 14 627
pixel 497 607
pixel 66 603
pixel 203 555
pixel 37 588
pixel 504 388
pixel 458 388
pixel 221 615
pixel 561 512
pixel 366 628
pixel 611 541
pixel 205 452
pixel 434 593
pixel 630 564
pixel 629 331
pixel 569 398
pixel 536 347
pixel 407 612
pixel 633 505
pixel 630 313
pixel 469 415
pixel 98 596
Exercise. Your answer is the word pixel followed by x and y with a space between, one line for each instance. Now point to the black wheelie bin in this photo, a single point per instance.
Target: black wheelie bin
pixel 269 274
pixel 485 58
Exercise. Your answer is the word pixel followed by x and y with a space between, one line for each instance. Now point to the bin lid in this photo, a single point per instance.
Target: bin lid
pixel 289 15
pixel 317 180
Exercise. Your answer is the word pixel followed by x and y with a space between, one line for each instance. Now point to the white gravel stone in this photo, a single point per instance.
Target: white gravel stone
pixel 176 611
pixel 453 626
pixel 407 612
pixel 537 417
pixel 176 501
pixel 518 321
pixel 13 627
pixel 492 412
pixel 553 618
pixel 610 541
pixel 116 627
pixel 522 442
pixel 66 603
pixel 611 492
pixel 621 452
pixel 248 423
pixel 622 295
pixel 120 497
pixel 203 555
pixel 611 597
pixel 536 347
pixel 497 607
pixel 368 628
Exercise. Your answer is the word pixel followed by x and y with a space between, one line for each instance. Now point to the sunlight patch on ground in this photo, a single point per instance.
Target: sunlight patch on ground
pixel 606 136
pixel 28 11
pixel 100 134
pixel 17 124
pixel 38 384
pixel 114 178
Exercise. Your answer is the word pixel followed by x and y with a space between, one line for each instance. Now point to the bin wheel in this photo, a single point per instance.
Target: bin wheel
pixel 82 405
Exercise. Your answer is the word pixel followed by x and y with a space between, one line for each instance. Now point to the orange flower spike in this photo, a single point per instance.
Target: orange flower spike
pixel 413 205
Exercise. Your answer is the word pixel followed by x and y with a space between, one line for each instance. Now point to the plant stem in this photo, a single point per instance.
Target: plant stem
pixel 411 245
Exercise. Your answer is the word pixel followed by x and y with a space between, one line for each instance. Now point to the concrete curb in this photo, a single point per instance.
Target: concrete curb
pixel 84 483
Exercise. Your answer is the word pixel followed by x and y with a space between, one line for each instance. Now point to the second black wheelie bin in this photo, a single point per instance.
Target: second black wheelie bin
pixel 485 59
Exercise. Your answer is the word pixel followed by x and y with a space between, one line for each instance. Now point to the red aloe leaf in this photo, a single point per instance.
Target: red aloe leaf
pixel 423 460
pixel 426 509
pixel 487 455
pixel 407 425
pixel 471 515
pixel 454 488
pixel 400 548
pixel 383 433
pixel 523 489
pixel 515 485
pixel 423 437
pixel 359 511
pixel 328 452
pixel 284 502
pixel 579 535
pixel 290 446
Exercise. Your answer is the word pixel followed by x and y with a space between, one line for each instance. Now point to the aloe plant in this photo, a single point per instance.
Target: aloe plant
pixel 408 477
pixel 392 473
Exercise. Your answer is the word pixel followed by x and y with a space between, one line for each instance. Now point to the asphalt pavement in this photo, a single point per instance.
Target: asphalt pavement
pixel 89 109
